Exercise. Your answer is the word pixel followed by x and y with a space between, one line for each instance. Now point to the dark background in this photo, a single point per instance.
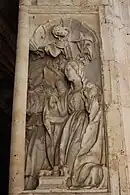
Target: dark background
pixel 8 34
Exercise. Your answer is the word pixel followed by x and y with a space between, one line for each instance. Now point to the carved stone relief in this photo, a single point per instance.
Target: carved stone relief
pixel 66 2
pixel 65 135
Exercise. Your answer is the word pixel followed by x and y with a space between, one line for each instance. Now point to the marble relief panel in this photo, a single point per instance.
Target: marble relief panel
pixel 65 136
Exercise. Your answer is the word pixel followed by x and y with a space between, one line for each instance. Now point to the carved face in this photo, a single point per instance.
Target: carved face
pixel 59 31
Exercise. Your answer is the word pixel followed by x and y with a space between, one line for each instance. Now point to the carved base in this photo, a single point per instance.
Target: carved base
pixel 67 192
pixel 51 182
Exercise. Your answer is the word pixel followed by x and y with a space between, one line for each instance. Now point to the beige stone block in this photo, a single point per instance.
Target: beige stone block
pixel 68 2
pixel 59 2
pixel 128 46
pixel 119 46
pixel 124 88
pixel 124 81
pixel 94 2
pixel 112 18
pixel 126 124
pixel 123 171
pixel 105 2
pixel 113 132
pixel 115 5
pixel 110 2
pixel 107 42
pixel 48 2
pixel 106 83
pixel 37 192
pixel 124 12
pixel 52 182
pixel 121 97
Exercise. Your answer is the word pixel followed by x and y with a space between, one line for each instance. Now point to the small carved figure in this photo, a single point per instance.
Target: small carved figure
pixel 60 44
pixel 54 116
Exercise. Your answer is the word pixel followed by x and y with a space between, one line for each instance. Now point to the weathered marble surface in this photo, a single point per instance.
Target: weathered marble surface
pixel 64 192
pixel 66 2
pixel 17 149
pixel 110 22
pixel 65 104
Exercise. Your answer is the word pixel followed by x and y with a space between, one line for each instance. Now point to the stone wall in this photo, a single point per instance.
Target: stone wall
pixel 116 24
pixel 8 35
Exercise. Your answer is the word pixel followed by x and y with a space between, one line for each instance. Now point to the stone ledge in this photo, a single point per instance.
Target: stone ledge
pixel 45 9
pixel 64 192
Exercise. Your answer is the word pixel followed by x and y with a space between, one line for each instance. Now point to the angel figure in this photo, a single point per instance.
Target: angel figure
pixel 60 44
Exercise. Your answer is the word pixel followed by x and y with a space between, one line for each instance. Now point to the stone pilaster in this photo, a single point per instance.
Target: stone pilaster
pixel 17 153
pixel 113 33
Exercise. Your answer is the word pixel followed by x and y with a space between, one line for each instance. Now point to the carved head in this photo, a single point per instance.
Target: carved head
pixel 59 31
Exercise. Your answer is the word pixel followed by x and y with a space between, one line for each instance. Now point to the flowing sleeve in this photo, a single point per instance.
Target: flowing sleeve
pixel 91 104
pixel 53 50
pixel 94 109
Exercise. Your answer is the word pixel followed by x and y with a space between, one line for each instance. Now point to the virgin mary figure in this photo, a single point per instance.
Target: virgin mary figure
pixel 82 147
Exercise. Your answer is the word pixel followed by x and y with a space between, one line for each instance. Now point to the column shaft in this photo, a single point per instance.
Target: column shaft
pixel 17 150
